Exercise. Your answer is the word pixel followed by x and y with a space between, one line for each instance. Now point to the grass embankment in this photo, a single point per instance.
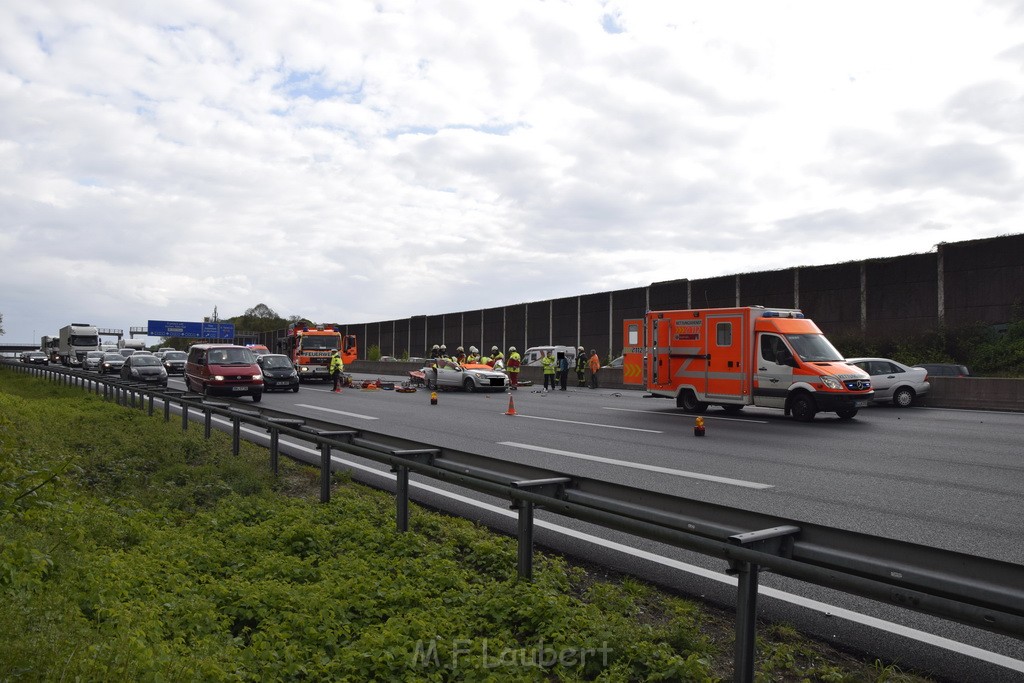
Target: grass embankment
pixel 130 550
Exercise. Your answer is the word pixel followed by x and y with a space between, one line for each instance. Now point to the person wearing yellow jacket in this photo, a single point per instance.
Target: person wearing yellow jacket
pixel 512 368
pixel 547 361
pixel 336 367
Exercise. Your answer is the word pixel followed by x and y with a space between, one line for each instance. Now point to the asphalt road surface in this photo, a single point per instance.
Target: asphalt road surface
pixel 950 479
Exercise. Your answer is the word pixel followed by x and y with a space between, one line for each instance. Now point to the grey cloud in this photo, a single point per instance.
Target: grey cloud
pixel 995 105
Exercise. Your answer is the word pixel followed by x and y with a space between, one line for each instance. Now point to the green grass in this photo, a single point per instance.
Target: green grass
pixel 130 550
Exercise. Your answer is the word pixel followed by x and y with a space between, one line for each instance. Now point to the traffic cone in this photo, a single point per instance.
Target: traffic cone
pixel 433 398
pixel 511 406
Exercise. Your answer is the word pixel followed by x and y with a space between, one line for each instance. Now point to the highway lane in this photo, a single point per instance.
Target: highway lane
pixel 940 477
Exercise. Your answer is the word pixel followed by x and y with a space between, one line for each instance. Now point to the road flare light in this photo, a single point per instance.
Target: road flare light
pixel 433 398
pixel 698 427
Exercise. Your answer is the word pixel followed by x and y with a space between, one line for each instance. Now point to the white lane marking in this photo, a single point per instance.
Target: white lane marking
pixel 706 417
pixel 336 412
pixel 640 466
pixel 808 603
pixel 589 424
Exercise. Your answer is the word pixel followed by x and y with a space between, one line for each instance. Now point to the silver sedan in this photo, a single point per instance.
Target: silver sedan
pixel 471 377
pixel 894 382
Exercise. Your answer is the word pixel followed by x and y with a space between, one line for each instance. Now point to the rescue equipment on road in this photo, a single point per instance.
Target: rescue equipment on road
pixel 433 398
pixel 511 406
pixel 698 427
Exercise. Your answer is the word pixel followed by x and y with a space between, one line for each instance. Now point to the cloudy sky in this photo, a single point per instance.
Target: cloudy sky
pixel 361 161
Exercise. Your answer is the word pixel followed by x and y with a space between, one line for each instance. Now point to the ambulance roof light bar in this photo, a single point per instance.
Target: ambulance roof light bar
pixel 783 314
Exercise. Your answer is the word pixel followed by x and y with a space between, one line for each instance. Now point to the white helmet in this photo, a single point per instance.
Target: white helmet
pixel 511 348
pixel 443 347
pixel 473 349
pixel 495 348
pixel 460 349
pixel 580 348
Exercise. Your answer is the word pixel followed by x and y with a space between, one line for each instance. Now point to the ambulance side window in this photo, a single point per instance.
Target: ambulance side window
pixel 723 334
pixel 774 350
pixel 634 335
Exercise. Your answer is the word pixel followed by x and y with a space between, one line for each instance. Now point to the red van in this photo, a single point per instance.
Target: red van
pixel 224 370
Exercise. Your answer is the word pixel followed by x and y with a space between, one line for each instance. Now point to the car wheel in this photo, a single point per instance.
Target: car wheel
pixel 847 413
pixel 688 402
pixel 803 408
pixel 903 397
pixel 468 385
pixel 295 389
pixel 257 396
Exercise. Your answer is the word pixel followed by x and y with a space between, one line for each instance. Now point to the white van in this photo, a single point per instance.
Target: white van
pixel 532 355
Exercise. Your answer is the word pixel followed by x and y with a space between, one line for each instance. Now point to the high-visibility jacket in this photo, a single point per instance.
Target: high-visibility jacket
pixel 595 363
pixel 548 363
pixel 337 365
pixel 514 360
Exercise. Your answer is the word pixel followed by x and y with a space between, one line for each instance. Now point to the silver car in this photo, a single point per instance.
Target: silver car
pixel 894 382
pixel 471 377
pixel 92 360
pixel 112 362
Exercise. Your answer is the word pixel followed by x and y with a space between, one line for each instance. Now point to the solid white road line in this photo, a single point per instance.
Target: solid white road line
pixel 706 417
pixel 640 466
pixel 824 608
pixel 336 412
pixel 589 424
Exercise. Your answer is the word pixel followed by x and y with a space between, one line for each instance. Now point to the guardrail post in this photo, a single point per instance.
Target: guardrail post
pixel 325 457
pixel 236 427
pixel 776 541
pixel 546 487
pixel 151 399
pixel 422 455
pixel 275 436
pixel 208 407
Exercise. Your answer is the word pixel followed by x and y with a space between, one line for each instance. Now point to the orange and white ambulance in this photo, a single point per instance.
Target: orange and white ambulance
pixel 736 357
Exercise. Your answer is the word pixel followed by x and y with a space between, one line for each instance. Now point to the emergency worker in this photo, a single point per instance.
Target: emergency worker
pixel 581 367
pixel 595 367
pixel 497 355
pixel 460 355
pixel 435 352
pixel 443 352
pixel 547 362
pixel 514 361
pixel 563 370
pixel 336 367
pixel 473 356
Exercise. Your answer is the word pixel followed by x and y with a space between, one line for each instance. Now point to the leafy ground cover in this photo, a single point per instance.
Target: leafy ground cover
pixel 130 550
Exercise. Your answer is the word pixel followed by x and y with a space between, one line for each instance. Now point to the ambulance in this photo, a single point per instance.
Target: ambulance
pixel 736 357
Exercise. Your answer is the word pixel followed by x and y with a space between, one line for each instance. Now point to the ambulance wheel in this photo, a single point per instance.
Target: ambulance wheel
pixel 802 407
pixel 847 413
pixel 688 402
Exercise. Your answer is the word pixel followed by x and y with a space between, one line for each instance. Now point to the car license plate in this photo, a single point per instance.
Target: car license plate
pixel 239 388
pixel 860 404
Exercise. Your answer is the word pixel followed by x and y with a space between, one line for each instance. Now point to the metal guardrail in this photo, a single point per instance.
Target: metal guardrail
pixel 981 592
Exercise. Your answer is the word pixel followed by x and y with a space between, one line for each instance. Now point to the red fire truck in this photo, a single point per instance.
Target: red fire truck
pixel 309 346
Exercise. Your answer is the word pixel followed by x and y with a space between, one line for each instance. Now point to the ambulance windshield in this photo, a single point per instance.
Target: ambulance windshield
pixel 814 348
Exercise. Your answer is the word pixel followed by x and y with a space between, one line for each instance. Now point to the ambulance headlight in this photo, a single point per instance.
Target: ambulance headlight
pixel 831 382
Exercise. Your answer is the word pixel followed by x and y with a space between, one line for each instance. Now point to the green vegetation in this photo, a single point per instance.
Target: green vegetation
pixel 130 550
pixel 373 352
pixel 988 351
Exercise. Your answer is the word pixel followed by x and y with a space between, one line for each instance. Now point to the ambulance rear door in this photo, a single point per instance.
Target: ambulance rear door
pixel 634 352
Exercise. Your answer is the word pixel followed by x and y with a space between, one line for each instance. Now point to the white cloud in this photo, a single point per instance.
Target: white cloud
pixel 373 161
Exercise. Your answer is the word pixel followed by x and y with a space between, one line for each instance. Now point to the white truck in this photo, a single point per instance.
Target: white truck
pixel 76 340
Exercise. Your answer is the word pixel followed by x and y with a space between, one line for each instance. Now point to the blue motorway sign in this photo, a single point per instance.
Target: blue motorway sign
pixel 173 328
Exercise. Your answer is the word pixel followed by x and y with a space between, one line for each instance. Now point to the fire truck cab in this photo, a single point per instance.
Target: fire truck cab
pixel 309 346
pixel 735 357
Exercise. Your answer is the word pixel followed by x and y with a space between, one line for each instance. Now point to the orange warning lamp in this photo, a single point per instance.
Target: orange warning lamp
pixel 698 427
